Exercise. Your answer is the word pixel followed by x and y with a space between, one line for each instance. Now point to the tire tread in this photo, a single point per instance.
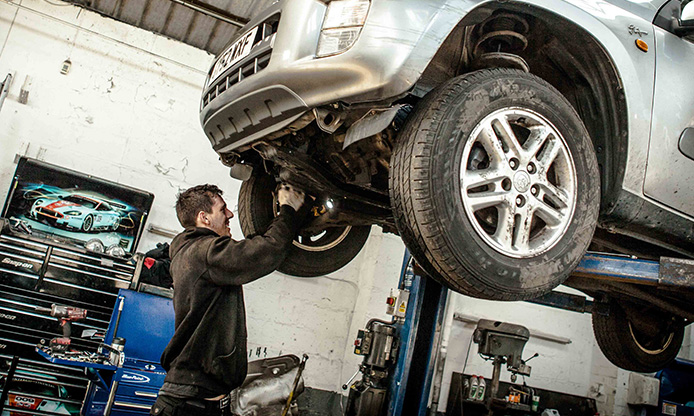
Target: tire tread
pixel 617 343
pixel 412 191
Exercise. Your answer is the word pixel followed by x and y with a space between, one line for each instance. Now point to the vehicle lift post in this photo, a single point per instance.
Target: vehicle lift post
pixel 418 334
pixel 411 377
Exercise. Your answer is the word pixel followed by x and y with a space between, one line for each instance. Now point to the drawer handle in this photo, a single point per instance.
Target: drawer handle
pixel 133 405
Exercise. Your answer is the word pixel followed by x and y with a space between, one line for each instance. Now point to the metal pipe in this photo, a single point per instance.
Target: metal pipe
pixel 121 299
pixel 8 382
pixel 139 262
pixel 496 375
pixel 441 359
pixel 346 385
pixel 111 397
pixel 469 319
pixel 438 378
pixel 655 300
pixel 287 405
pixel 671 247
pixel 155 229
pixel 213 12
pixel 380 321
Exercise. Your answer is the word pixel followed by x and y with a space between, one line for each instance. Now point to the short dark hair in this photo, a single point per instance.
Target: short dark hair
pixel 193 200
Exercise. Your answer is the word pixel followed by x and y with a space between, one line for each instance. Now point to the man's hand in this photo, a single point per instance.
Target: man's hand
pixel 288 195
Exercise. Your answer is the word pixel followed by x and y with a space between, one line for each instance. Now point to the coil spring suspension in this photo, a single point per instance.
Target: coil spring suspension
pixel 500 40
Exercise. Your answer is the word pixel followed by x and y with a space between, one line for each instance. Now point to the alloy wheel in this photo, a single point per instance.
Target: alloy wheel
pixel 518 182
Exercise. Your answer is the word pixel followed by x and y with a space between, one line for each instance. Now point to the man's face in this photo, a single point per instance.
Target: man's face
pixel 219 217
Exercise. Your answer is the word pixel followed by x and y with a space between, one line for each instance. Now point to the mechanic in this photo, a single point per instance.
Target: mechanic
pixel 206 357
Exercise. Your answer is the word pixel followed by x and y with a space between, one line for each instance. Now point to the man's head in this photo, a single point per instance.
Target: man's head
pixel 203 206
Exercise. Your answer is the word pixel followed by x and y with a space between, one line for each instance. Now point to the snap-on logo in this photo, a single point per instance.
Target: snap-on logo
pixel 6 316
pixel 135 378
pixel 16 263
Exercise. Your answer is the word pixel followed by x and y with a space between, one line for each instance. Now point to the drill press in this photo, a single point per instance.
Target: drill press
pixel 503 343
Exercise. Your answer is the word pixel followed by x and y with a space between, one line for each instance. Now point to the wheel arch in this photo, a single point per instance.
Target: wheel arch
pixel 572 60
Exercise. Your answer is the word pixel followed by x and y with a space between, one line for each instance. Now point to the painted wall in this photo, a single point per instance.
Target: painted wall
pixel 127 111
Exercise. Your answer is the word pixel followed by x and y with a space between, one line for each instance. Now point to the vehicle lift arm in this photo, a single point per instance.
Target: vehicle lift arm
pixel 626 275
pixel 418 333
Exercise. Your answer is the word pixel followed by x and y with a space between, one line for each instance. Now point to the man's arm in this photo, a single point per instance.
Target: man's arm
pixel 236 263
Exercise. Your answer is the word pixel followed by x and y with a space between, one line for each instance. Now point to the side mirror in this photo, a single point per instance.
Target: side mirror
pixel 685 24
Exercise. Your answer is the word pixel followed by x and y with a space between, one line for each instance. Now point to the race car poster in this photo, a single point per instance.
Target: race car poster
pixel 76 207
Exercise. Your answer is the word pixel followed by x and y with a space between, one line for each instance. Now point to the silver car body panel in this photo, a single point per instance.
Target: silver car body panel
pixel 669 175
pixel 400 38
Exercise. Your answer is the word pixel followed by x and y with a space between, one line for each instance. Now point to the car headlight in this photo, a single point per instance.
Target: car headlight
pixel 95 245
pixel 75 213
pixel 341 26
pixel 115 250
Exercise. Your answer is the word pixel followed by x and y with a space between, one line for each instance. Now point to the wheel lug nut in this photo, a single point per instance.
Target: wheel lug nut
pixel 513 163
pixel 520 200
pixel 533 190
pixel 531 168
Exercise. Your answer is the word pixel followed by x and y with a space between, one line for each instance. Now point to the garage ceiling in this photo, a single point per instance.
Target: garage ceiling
pixel 205 24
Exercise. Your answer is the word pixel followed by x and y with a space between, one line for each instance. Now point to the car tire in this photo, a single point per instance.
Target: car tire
pixel 541 238
pixel 630 345
pixel 88 223
pixel 309 256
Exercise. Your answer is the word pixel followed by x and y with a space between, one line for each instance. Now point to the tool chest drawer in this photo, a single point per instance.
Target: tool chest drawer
pixel 36 273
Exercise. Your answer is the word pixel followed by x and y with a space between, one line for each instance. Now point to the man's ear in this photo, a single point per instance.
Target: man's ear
pixel 201 219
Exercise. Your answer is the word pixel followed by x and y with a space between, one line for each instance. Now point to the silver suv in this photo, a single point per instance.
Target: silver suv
pixel 492 136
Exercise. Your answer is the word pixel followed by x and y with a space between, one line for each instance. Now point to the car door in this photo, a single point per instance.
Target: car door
pixel 670 171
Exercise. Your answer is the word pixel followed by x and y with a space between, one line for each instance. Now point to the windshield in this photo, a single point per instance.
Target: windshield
pixel 80 200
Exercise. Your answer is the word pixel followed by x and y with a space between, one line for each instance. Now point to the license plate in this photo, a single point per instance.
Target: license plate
pixel 236 52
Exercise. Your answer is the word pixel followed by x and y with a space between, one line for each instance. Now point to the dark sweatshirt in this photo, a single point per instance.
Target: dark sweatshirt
pixel 206 356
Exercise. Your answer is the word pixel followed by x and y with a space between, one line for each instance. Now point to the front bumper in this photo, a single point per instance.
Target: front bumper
pixel 257 97
pixel 71 222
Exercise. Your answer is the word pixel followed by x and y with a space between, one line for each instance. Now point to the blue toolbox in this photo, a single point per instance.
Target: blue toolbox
pixel 125 374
